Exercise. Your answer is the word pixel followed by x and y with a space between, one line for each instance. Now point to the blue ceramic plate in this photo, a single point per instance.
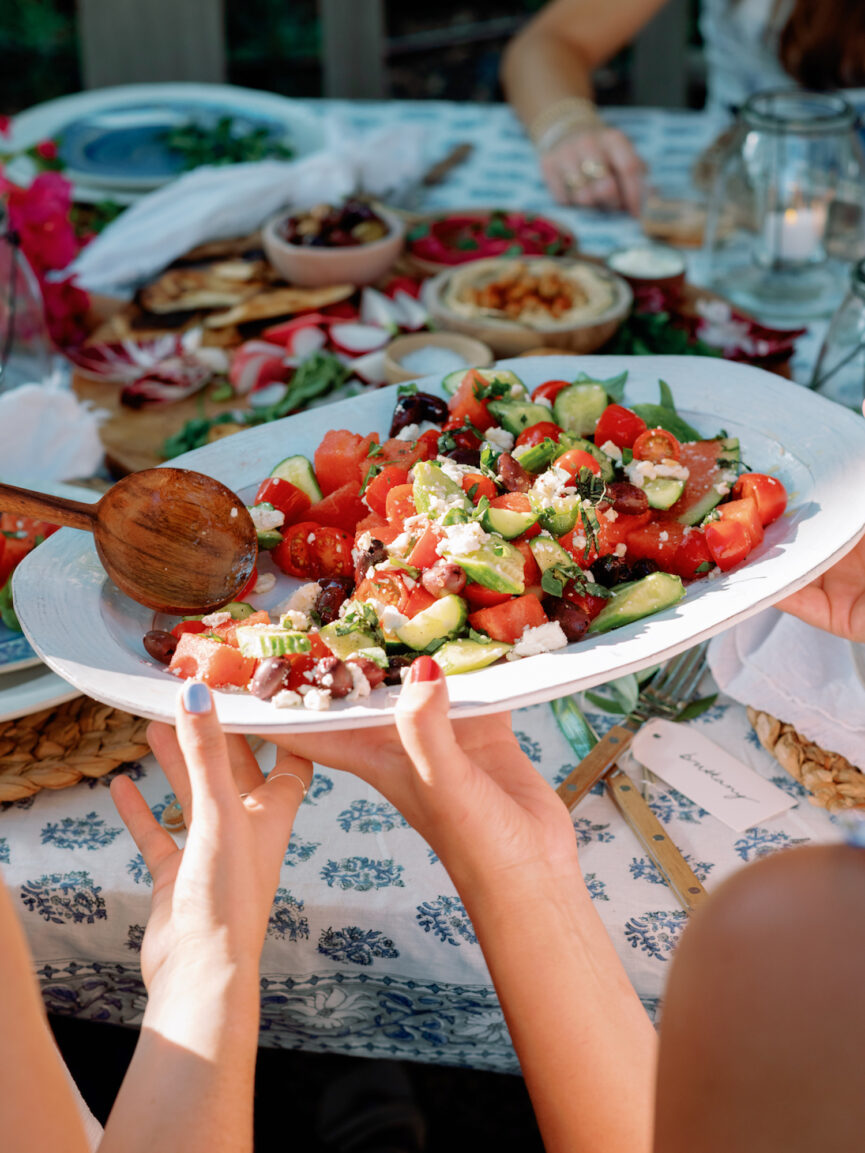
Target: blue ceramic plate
pixel 125 146
pixel 15 651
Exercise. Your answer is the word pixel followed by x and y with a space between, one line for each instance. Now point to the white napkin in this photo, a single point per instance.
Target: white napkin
pixel 800 675
pixel 47 434
pixel 218 202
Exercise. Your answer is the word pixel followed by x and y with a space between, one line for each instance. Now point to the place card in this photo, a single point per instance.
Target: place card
pixel 707 775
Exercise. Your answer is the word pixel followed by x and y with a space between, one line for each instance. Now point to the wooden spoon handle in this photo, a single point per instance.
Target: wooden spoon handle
pixel 54 509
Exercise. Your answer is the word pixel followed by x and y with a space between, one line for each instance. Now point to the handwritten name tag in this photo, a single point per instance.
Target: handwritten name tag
pixel 708 775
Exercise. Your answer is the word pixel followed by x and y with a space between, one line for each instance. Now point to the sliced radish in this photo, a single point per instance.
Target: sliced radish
pixel 403 284
pixel 279 333
pixel 357 339
pixel 414 314
pixel 304 342
pixel 376 308
pixel 268 394
pixel 370 368
pixel 255 363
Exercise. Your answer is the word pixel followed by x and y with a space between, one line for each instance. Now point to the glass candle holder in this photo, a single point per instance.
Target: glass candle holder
pixel 786 212
pixel 840 369
pixel 25 346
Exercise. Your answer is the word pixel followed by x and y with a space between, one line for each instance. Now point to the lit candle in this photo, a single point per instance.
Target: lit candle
pixel 795 233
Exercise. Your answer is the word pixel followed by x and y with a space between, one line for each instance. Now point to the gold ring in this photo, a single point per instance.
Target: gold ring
pixel 593 169
pixel 574 181
pixel 273 777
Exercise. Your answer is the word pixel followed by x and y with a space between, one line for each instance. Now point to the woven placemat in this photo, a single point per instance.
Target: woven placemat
pixel 56 748
pixel 830 778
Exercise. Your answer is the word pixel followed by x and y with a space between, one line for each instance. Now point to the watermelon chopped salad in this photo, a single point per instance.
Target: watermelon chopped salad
pixel 490 526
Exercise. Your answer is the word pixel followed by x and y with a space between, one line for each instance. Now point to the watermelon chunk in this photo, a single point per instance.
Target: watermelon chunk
pixel 205 659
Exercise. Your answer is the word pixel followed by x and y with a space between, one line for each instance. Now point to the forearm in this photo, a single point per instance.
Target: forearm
pixel 189 1088
pixel 585 1044
pixel 31 1069
pixel 539 69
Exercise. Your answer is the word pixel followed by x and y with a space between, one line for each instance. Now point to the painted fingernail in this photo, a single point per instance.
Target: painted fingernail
pixel 424 669
pixel 196 697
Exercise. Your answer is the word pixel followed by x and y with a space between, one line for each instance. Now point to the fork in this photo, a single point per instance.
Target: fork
pixel 669 690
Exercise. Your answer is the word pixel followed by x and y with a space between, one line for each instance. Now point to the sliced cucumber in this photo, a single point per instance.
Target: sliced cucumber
pixel 663 491
pixel 497 565
pixel 445 618
pixel 464 656
pixel 270 641
pixel 578 408
pixel 636 599
pixel 538 457
pixel 560 515
pixel 239 610
pixel 508 522
pixel 517 415
pixel 548 552
pixel 268 538
pixel 298 471
pixel 347 644
pixel 435 495
pixel 454 379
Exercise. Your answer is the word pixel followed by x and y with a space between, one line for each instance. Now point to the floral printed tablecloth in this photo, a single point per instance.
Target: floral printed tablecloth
pixel 369 950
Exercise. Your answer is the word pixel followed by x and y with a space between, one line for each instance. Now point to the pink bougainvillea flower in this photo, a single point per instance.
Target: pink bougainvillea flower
pixel 66 309
pixel 47 149
pixel 5 125
pixel 40 216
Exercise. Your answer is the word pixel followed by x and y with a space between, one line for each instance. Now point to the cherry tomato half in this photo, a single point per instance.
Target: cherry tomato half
pixel 619 425
pixel 550 389
pixel 728 542
pixel 768 492
pixel 575 459
pixel 309 551
pixel 538 433
pixel 282 494
pixel 656 444
pixel 249 586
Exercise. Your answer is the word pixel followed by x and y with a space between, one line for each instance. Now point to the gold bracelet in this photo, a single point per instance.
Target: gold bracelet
pixel 557 120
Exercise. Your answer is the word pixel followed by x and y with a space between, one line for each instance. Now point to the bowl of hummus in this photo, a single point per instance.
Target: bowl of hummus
pixel 516 304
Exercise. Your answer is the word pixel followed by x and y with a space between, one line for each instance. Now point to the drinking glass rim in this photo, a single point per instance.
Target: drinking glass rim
pixel 827 112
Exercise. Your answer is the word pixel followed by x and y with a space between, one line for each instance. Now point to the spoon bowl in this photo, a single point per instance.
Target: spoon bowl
pixel 176 541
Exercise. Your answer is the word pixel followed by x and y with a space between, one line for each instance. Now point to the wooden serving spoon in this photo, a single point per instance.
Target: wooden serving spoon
pixel 175 541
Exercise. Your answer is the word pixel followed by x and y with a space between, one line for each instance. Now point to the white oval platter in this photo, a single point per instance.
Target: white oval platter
pixel 89 633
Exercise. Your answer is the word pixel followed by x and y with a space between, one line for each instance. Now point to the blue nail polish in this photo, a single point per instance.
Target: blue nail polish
pixel 196 698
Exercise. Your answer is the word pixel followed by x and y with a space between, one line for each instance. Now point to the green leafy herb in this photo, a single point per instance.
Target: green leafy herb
pixel 706 566
pixel 491 389
pixel 224 143
pixel 590 486
pixel 418 232
pixel 472 492
pixel 372 471
pixel 653 334
pixel 435 645
pixel 479 638
pixel 374 449
pixel 360 617
pixel 497 229
pixel 466 244
pixel 221 391
pixel 513 250
pixel 407 389
pixel 666 395
pixel 696 708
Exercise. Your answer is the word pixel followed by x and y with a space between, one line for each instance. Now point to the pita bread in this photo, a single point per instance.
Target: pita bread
pixel 280 302
pixel 215 286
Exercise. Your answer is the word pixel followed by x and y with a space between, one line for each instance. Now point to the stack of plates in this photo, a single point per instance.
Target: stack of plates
pixel 112 140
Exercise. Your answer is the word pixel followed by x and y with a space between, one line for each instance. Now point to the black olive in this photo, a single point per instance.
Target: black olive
pixel 643 568
pixel 416 408
pixel 610 571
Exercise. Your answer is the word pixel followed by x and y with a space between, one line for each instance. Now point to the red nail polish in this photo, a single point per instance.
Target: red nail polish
pixel 424 669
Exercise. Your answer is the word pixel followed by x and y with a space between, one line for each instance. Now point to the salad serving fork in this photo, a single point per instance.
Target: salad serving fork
pixel 666 694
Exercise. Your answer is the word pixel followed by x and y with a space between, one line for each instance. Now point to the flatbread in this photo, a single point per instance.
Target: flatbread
pixel 280 302
pixel 220 285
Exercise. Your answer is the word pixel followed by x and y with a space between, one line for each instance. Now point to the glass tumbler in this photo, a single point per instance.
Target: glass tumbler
pixel 25 346
pixel 787 212
pixel 840 370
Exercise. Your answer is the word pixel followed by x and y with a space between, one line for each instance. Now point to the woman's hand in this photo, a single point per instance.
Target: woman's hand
pixel 595 167
pixel 466 787
pixel 212 899
pixel 836 600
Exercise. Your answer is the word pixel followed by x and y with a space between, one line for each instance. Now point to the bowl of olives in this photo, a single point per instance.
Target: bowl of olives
pixel 355 242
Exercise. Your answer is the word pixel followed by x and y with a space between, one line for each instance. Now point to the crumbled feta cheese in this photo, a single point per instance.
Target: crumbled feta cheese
pixel 611 449
pixel 499 439
pixel 363 542
pixel 517 391
pixel 520 451
pixel 553 483
pixel 391 618
pixel 620 549
pixel 360 685
pixel 266 581
pixel 462 539
pixel 286 699
pixel 663 535
pixel 303 600
pixel 722 489
pixel 408 432
pixel 213 620
pixel 610 515
pixel 291 619
pixel 318 699
pixel 544 400
pixel 454 471
pixel 401 544
pixel 542 639
pixel 639 471
pixel 266 519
